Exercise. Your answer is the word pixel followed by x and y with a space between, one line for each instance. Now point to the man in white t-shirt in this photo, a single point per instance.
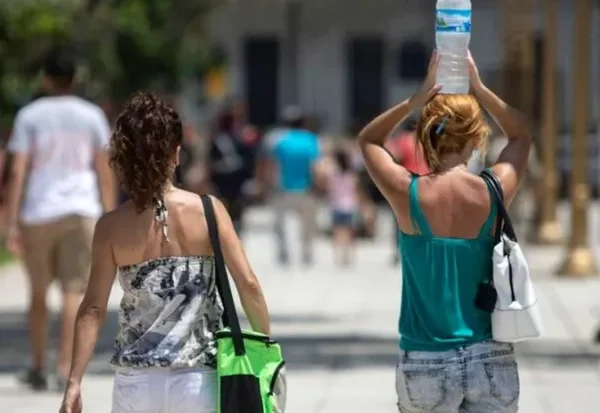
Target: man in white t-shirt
pixel 59 185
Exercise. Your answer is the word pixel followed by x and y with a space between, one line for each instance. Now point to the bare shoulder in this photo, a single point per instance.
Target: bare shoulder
pixel 218 205
pixel 454 187
pixel 187 201
pixel 190 203
pixel 474 194
pixel 109 224
pixel 507 174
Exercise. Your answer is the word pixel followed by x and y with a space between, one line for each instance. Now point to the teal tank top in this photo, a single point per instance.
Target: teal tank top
pixel 440 278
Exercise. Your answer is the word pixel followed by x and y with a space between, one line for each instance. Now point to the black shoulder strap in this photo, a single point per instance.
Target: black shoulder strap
pixel 503 222
pixel 230 318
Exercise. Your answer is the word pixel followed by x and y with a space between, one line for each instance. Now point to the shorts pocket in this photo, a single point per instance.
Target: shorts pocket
pixel 240 394
pixel 503 376
pixel 278 389
pixel 131 392
pixel 420 387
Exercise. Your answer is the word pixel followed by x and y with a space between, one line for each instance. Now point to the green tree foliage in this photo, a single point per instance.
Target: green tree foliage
pixel 153 44
pixel 124 45
pixel 27 30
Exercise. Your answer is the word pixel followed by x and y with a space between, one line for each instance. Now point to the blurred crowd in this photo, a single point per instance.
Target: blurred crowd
pixel 57 181
pixel 293 167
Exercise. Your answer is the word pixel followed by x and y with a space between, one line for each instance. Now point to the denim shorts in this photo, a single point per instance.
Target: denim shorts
pixel 161 390
pixel 481 377
pixel 342 219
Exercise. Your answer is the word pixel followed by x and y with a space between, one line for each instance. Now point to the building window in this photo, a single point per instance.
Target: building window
pixel 412 60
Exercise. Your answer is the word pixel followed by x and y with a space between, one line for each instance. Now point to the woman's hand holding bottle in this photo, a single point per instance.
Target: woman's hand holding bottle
pixel 476 83
pixel 429 88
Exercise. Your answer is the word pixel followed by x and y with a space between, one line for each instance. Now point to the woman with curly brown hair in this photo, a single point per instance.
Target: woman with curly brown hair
pixel 158 244
pixel 448 361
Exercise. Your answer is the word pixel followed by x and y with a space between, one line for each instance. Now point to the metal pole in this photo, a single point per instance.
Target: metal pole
pixel 580 259
pixel 549 230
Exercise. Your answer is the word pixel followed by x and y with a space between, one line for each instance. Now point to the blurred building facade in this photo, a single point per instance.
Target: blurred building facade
pixel 346 60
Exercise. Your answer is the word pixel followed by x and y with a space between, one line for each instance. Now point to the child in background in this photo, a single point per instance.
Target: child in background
pixel 343 198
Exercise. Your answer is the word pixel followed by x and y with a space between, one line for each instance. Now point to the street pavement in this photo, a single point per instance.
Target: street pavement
pixel 338 331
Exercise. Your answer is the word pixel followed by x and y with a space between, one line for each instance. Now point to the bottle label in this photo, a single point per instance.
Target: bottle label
pixel 451 20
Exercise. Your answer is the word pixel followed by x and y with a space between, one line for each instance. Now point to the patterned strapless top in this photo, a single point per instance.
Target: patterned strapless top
pixel 169 313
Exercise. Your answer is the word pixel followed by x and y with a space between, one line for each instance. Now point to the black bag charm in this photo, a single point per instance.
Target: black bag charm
pixel 486 297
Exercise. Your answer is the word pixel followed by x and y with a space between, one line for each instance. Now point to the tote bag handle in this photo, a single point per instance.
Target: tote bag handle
pixel 230 317
pixel 503 222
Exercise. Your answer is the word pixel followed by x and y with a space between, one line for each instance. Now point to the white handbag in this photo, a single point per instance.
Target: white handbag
pixel 516 316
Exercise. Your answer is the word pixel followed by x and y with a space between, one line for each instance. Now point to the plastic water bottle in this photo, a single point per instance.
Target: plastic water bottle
pixel 452 36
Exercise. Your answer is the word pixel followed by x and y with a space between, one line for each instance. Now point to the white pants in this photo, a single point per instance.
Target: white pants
pixel 158 390
pixel 305 206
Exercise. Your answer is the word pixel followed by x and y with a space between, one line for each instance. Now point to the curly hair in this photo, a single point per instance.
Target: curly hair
pixel 462 123
pixel 143 148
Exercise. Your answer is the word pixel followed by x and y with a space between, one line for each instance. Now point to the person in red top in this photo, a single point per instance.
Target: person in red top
pixel 408 153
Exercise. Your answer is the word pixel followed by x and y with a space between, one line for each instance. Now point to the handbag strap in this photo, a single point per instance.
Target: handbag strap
pixel 230 317
pixel 503 221
pixel 504 224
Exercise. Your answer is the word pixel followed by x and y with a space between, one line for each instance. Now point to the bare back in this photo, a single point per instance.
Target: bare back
pixel 138 237
pixel 456 204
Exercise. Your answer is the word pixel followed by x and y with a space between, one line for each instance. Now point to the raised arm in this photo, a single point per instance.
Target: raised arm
pixel 390 177
pixel 246 282
pixel 512 163
pixel 92 312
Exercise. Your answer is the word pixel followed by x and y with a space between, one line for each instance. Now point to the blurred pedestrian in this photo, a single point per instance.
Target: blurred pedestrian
pixel 188 153
pixel 189 173
pixel 292 154
pixel 229 163
pixel 251 137
pixel 343 201
pixel 448 360
pixel 59 184
pixel 159 245
pixel 367 218
pixel 407 150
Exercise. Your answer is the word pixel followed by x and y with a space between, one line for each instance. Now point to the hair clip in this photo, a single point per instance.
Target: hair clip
pixel 441 126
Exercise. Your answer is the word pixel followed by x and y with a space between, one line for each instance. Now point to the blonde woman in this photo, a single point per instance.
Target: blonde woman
pixel 448 361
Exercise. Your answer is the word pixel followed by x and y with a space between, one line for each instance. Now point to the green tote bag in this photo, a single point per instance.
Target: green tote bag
pixel 250 366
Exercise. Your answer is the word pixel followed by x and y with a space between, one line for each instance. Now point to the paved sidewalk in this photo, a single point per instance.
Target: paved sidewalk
pixel 338 329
